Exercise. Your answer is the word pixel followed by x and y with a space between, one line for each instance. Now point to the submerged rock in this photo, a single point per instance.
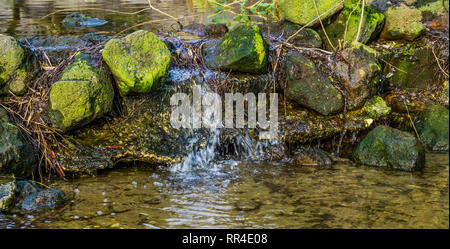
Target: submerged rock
pixel 433 128
pixel 360 76
pixel 55 49
pixel 311 157
pixel 391 148
pixel 83 93
pixel 344 28
pixel 17 156
pixel 17 66
pixel 31 197
pixel 284 29
pixel 139 62
pixel 7 192
pixel 309 87
pixel 402 23
pixel 78 20
pixel 243 49
pixel 201 30
pixel 304 12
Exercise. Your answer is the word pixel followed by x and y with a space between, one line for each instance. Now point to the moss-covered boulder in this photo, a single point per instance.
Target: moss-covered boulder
pixel 310 88
pixel 402 23
pixel 344 28
pixel 391 148
pixel 17 66
pixel 304 12
pixel 139 62
pixel 7 192
pixel 83 93
pixel 243 49
pixel 433 127
pixel 17 156
pixel 360 74
pixel 307 37
pixel 410 66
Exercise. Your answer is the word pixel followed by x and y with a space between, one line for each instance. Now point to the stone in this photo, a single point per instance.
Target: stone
pixel 310 88
pixel 7 192
pixel 433 128
pixel 390 148
pixel 18 65
pixel 243 49
pixel 56 49
pixel 344 28
pixel 304 12
pixel 402 23
pixel 78 21
pixel 83 94
pixel 311 157
pixel 17 156
pixel 361 75
pixel 139 62
pixel 307 37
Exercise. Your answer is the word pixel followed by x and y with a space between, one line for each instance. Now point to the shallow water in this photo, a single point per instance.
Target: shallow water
pixel 23 18
pixel 253 195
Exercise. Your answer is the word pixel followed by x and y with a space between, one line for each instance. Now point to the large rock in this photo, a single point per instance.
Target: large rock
pixel 16 155
pixel 7 191
pixel 83 94
pixel 344 28
pixel 17 66
pixel 139 62
pixel 410 66
pixel 309 87
pixel 391 148
pixel 32 197
pixel 304 12
pixel 433 128
pixel 243 49
pixel 360 73
pixel 402 23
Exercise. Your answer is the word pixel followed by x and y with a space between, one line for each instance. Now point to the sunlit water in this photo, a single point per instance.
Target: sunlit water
pixel 23 18
pixel 253 195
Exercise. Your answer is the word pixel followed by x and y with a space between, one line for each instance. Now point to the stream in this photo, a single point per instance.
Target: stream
pixel 209 192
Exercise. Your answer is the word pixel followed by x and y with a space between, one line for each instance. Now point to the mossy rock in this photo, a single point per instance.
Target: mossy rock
pixel 390 148
pixel 310 88
pixel 376 108
pixel 344 28
pixel 242 49
pixel 7 192
pixel 83 94
pixel 433 128
pixel 17 156
pixel 360 74
pixel 402 23
pixel 304 12
pixel 139 62
pixel 410 66
pixel 17 66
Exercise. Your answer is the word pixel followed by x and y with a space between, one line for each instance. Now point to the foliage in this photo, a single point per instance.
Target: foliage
pixel 242 11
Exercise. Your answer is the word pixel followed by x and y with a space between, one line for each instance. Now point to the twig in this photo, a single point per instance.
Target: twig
pixel 360 21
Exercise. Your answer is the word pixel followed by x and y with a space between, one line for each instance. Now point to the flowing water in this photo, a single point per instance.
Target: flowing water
pixel 207 192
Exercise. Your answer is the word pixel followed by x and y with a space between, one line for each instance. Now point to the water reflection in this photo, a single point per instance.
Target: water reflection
pixel 23 18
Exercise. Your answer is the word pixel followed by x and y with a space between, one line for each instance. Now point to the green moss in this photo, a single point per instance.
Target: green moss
pixel 344 27
pixel 17 66
pixel 433 128
pixel 242 49
pixel 388 147
pixel 376 108
pixel 139 62
pixel 303 12
pixel 435 8
pixel 82 94
pixel 403 22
